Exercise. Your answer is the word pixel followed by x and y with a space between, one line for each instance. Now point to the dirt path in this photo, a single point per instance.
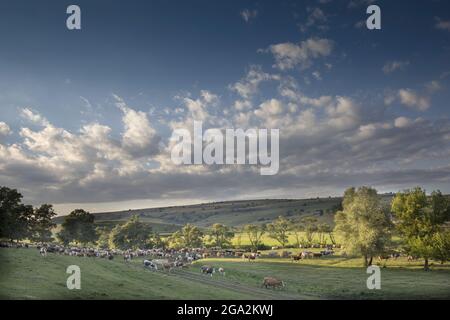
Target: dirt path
pixel 255 293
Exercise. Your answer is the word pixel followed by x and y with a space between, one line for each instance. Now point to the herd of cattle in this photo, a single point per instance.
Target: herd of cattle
pixel 167 260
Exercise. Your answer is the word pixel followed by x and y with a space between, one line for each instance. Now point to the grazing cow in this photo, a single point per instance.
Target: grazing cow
pixel 208 270
pixel 251 256
pixel 149 264
pixel 296 258
pixel 43 251
pixel 306 254
pixel 317 255
pixel 272 282
pixel 167 267
pixel 221 271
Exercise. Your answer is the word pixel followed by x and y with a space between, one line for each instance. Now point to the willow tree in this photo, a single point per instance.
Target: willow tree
pixel 364 223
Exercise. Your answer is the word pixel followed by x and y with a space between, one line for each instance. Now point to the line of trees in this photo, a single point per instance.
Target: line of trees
pixel 19 221
pixel 366 224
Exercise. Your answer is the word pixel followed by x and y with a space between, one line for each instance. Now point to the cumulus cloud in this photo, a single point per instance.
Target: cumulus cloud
pixel 248 86
pixel 139 136
pixel 410 98
pixel 327 142
pixel 392 66
pixel 33 117
pixel 4 129
pixel 288 55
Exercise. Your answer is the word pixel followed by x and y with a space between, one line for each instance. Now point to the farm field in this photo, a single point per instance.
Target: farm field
pixel 24 274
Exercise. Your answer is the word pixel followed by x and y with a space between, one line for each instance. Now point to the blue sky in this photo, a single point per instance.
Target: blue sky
pixel 142 67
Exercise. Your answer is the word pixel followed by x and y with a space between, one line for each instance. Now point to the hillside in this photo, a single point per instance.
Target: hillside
pixel 232 213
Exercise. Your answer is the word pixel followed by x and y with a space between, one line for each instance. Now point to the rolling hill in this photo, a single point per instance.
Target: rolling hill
pixel 232 213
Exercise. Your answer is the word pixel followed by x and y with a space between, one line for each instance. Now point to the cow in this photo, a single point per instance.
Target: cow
pixel 306 254
pixel 208 270
pixel 221 271
pixel 272 282
pixel 149 264
pixel 43 251
pixel 251 256
pixel 296 258
pixel 167 267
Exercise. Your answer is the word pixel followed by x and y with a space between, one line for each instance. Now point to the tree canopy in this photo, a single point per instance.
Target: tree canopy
pixel 364 223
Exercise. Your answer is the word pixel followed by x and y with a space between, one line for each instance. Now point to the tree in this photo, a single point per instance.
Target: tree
pixel 322 229
pixel 14 216
pixel 189 236
pixel 78 227
pixel 278 230
pixel 41 223
pixel 133 234
pixel 103 236
pixel 420 219
pixel 364 223
pixel 441 247
pixel 221 235
pixel 254 234
pixel 310 228
pixel 297 230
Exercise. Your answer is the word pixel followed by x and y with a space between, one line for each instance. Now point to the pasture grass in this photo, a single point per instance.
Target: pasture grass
pixel 24 274
pixel 342 278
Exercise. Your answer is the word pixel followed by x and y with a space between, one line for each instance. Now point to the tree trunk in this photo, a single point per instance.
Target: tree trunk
pixel 426 266
pixel 366 263
pixel 370 261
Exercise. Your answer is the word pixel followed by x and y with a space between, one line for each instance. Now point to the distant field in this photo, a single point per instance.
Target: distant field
pixel 24 274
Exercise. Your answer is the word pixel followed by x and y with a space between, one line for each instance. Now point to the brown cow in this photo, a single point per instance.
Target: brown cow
pixel 272 282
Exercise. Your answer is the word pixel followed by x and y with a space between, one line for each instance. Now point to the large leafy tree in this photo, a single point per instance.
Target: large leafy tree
pixel 133 234
pixel 255 234
pixel 42 224
pixel 221 235
pixel 189 236
pixel 278 230
pixel 421 220
pixel 364 224
pixel 78 227
pixel 15 217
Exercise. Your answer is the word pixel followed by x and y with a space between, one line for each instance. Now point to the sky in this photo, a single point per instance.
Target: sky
pixel 86 115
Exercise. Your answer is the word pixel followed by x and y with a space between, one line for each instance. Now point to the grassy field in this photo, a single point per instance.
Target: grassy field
pixel 24 274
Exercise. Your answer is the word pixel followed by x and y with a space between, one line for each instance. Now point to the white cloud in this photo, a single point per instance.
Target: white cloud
pixel 248 15
pixel 139 137
pixel 33 117
pixel 402 122
pixel 410 98
pixel 392 66
pixel 433 86
pixel 288 55
pixel 248 86
pixel 4 129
